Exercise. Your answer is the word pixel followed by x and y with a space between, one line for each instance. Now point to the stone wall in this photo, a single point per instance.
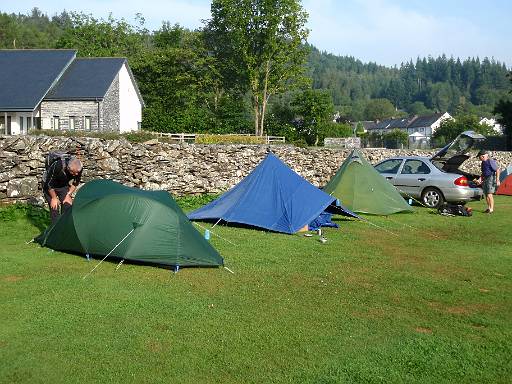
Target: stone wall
pixel 77 109
pixel 181 169
pixel 110 107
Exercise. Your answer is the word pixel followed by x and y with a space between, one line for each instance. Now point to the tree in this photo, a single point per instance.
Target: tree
pixel 449 129
pixel 101 38
pixel 395 138
pixel 418 108
pixel 260 46
pixel 379 109
pixel 504 109
pixel 178 81
pixel 315 110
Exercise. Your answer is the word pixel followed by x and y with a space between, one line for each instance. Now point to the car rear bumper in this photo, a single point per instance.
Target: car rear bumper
pixel 462 194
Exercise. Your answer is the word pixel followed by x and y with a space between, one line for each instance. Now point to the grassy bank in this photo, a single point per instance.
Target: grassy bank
pixel 421 298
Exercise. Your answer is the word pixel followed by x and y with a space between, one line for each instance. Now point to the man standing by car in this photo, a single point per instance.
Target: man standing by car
pixel 63 176
pixel 489 179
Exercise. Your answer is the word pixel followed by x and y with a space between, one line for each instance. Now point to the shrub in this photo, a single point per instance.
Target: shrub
pixel 134 137
pixel 229 139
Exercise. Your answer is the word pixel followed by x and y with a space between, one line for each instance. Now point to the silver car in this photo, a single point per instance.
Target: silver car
pixel 437 179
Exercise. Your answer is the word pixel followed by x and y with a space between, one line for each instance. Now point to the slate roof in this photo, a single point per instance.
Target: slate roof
pixel 86 79
pixel 404 123
pixel 392 123
pixel 26 75
pixel 425 121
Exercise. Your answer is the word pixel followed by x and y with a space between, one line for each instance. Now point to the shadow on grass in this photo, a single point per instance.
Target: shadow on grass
pixel 35 214
pixel 38 217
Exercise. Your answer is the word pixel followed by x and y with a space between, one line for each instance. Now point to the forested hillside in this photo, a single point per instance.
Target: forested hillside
pixel 183 91
pixel 430 84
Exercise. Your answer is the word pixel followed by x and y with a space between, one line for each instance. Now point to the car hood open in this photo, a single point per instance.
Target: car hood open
pixel 454 154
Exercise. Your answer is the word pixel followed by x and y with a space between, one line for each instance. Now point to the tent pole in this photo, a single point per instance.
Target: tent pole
pixel 216 223
pixel 102 260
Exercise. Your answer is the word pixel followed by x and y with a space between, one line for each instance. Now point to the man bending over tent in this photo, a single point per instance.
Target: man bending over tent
pixel 61 179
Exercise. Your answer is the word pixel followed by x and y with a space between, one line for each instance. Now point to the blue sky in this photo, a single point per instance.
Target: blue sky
pixel 387 32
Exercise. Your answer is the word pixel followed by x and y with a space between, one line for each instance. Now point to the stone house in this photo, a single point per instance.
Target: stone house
pixel 53 89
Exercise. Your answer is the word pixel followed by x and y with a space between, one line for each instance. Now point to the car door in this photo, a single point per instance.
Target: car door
pixel 413 177
pixel 389 169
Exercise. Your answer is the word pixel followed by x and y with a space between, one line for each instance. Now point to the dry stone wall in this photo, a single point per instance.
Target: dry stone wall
pixel 182 169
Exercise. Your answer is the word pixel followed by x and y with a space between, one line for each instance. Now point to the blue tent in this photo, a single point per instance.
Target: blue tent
pixel 273 197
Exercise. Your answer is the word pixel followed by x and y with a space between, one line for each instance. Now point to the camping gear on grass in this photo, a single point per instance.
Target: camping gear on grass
pixel 362 189
pixel 272 197
pixel 448 209
pixel 133 224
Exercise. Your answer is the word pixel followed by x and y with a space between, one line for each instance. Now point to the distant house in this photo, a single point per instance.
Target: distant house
pixel 417 127
pixel 53 89
pixel 428 124
pixel 387 125
pixel 497 127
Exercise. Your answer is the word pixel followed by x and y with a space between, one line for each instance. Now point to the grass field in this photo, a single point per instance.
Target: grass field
pixel 420 299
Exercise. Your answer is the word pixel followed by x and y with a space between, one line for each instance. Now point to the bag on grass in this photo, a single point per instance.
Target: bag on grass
pixel 448 209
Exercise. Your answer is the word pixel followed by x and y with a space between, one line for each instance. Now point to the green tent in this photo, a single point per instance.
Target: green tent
pixel 361 188
pixel 138 225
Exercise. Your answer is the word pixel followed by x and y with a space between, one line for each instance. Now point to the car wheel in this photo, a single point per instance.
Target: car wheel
pixel 432 197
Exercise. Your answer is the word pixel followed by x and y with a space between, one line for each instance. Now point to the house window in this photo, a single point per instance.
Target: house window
pixel 21 124
pixel 87 123
pixel 422 130
pixel 56 122
pixel 71 122
pixel 29 123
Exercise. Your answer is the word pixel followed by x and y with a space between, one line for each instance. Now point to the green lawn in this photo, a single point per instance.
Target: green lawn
pixel 420 299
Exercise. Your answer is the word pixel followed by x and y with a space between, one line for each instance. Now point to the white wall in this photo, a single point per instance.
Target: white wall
pixel 130 107
pixel 18 128
pixel 437 124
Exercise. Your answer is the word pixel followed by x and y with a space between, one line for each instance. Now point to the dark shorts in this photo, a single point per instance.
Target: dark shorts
pixel 61 194
pixel 489 184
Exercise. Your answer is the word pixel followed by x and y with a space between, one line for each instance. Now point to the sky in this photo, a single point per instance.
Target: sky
pixel 387 32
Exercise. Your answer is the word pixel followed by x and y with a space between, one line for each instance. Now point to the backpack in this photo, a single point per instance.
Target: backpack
pixel 51 158
pixel 494 165
pixel 448 209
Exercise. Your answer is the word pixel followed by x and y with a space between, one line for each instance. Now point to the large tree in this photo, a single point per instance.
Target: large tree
pixel 315 110
pixel 100 38
pixel 451 128
pixel 504 109
pixel 261 47
pixel 379 109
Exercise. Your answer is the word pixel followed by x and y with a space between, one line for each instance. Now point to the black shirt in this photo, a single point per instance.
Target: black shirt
pixel 58 176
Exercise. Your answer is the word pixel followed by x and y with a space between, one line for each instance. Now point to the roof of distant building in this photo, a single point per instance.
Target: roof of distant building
pixel 26 75
pixel 393 123
pixel 86 79
pixel 406 122
pixel 425 121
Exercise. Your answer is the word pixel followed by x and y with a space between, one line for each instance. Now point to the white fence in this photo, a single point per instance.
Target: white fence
pixel 191 137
